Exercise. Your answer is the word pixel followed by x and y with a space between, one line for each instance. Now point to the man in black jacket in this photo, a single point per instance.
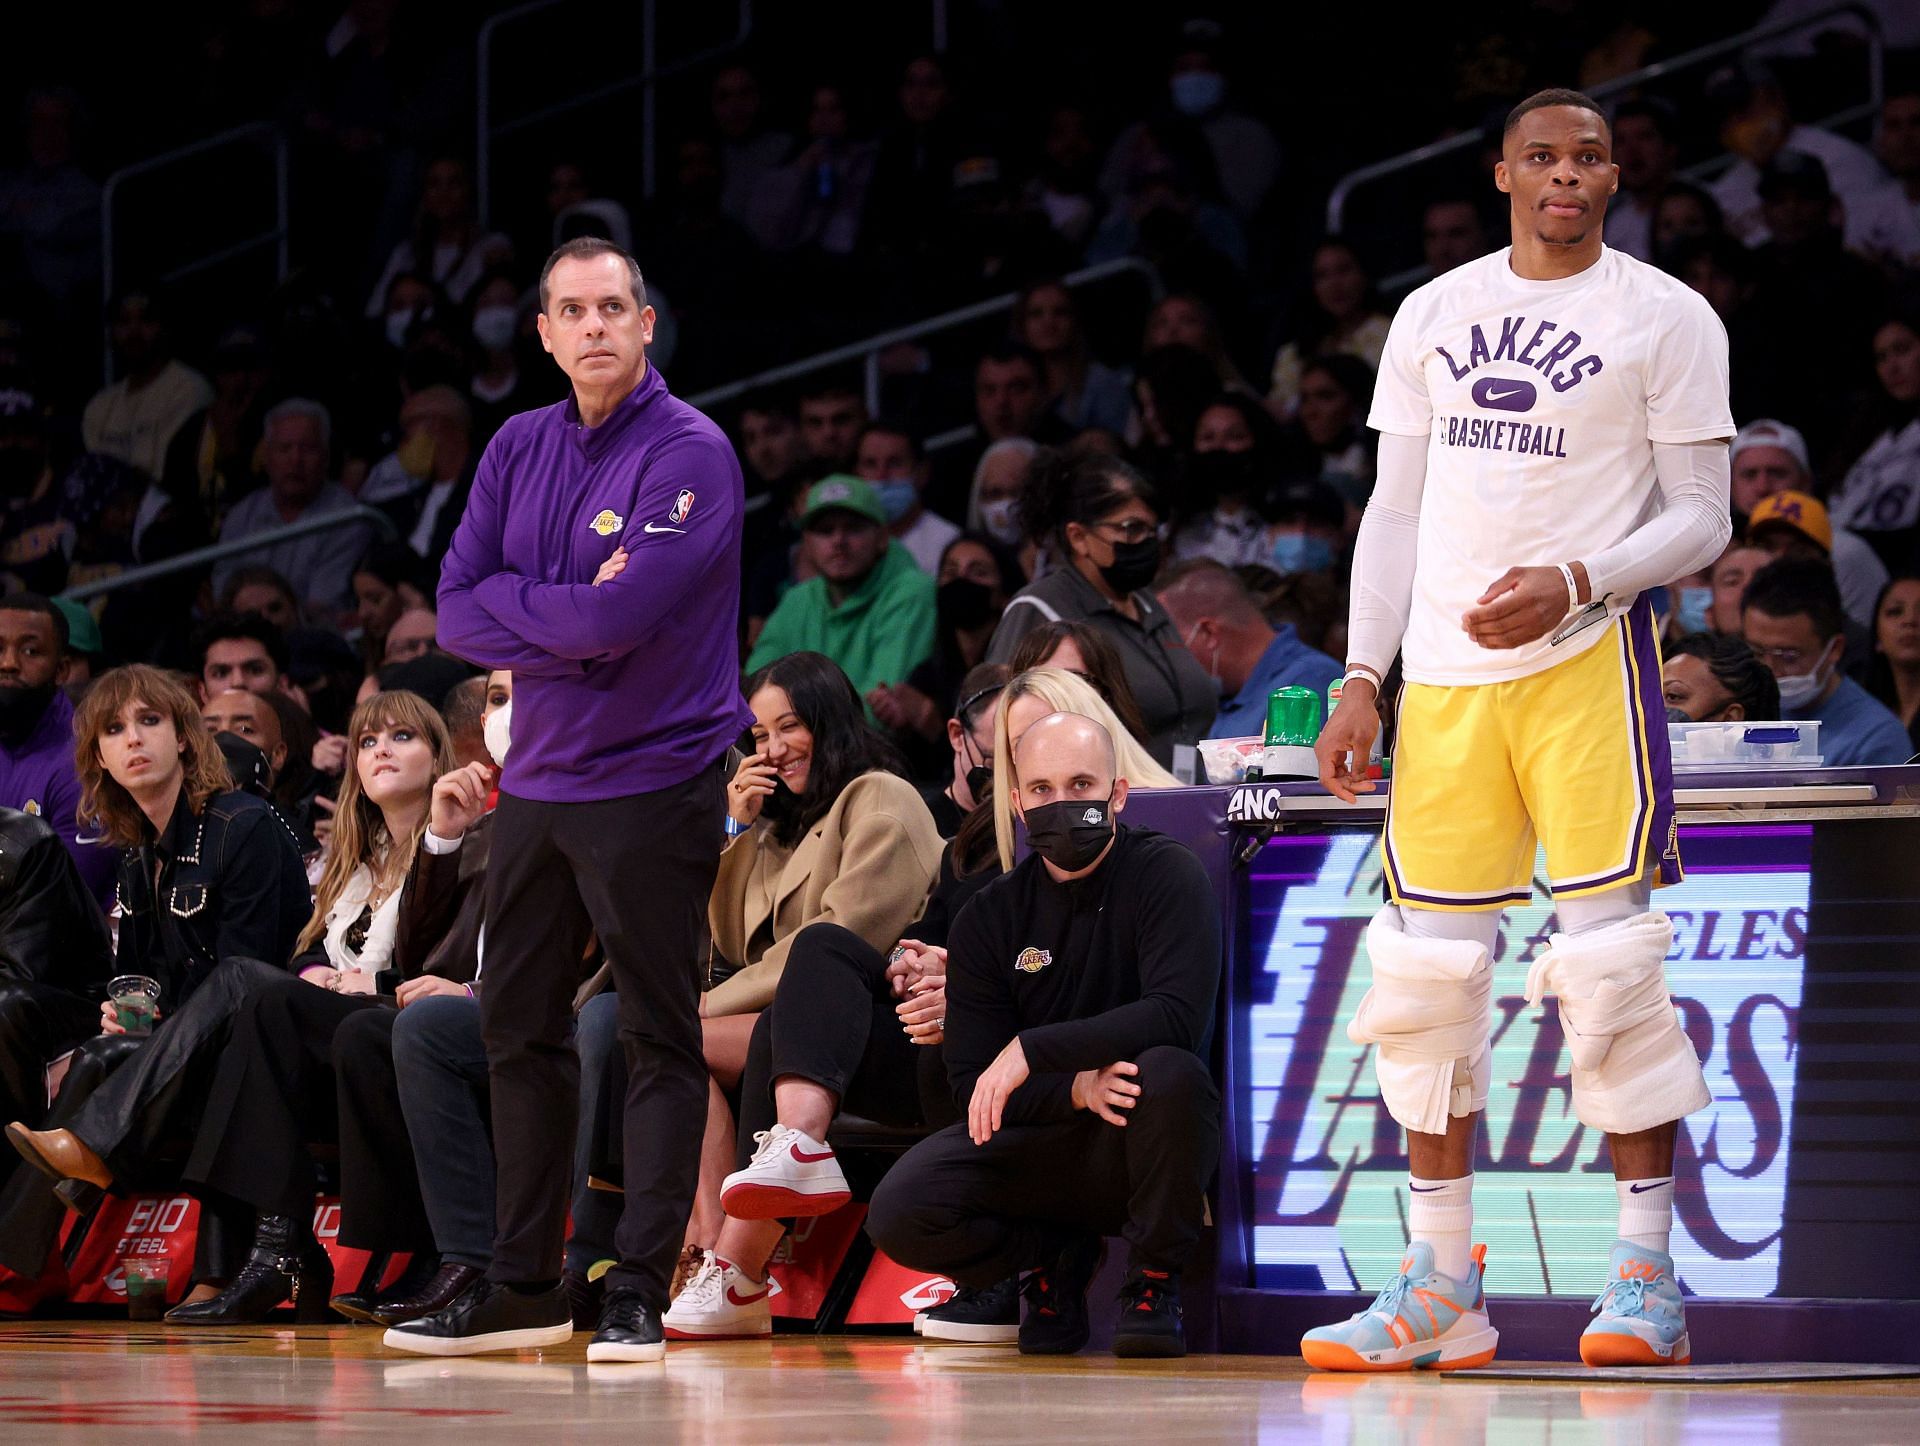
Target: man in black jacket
pixel 1080 993
pixel 55 958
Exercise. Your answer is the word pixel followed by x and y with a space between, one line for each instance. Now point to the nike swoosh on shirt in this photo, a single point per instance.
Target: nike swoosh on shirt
pixel 1500 394
pixel 1642 1189
pixel 651 528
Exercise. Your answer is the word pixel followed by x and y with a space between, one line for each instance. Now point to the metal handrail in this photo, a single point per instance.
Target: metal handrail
pixel 869 348
pixel 1686 60
pixel 382 525
pixel 277 236
pixel 649 75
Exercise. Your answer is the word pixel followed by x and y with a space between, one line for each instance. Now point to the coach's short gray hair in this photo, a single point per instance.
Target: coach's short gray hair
pixel 580 248
pixel 301 407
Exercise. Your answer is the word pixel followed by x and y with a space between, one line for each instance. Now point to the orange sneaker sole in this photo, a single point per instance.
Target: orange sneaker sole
pixel 1331 1356
pixel 1619 1350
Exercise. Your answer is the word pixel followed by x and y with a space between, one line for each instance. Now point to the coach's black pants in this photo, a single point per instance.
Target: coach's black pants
pixel 637 873
pixel 832 1022
pixel 980 1213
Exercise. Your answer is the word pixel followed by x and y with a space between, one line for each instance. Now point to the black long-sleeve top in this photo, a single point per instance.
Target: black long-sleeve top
pixel 1086 973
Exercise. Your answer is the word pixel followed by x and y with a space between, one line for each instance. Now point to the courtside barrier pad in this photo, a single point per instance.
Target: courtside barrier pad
pixel 1759 1373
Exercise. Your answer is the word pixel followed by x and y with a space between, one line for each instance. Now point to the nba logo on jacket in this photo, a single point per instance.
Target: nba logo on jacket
pixel 682 505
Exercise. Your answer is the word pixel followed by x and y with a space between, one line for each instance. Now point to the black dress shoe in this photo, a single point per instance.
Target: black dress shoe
pixel 425 1297
pixel 356 1304
pixel 487 1316
pixel 1056 1320
pixel 584 1298
pixel 287 1264
pixel 1151 1321
pixel 629 1331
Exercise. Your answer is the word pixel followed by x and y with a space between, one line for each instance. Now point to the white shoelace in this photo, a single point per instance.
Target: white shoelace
pixel 769 1143
pixel 702 1293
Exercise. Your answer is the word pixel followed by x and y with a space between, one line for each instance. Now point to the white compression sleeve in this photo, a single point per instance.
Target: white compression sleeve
pixel 1689 531
pixel 1383 555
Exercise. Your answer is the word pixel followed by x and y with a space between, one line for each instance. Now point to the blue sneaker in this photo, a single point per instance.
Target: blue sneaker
pixel 1421 1319
pixel 1642 1317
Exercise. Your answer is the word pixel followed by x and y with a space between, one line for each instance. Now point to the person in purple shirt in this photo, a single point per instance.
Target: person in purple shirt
pixel 599 560
pixel 37 773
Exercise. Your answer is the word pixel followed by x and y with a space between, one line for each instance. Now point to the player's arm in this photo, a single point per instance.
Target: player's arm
pixel 1690 530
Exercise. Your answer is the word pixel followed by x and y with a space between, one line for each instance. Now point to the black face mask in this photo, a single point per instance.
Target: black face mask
pixel 963 603
pixel 980 783
pixel 20 469
pixel 21 710
pixel 1133 566
pixel 1071 833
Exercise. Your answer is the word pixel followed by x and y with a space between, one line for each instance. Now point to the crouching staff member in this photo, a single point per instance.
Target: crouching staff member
pixel 212 895
pixel 1080 992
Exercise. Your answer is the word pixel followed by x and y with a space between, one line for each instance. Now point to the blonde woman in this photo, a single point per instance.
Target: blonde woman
pixel 1031 696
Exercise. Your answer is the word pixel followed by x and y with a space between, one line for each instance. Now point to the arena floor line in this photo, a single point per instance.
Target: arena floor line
pixel 65 1382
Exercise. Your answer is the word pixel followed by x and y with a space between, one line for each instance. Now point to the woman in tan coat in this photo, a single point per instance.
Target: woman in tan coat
pixel 827 831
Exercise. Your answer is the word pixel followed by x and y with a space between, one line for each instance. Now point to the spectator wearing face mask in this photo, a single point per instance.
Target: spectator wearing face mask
pixel 1245 655
pixel 1792 617
pixel 1234 442
pixel 423 483
pixel 1773 489
pixel 1308 528
pixel 994 499
pixel 1715 678
pixel 1097 516
pixel 1794 524
pixel 888 455
pixel 1328 437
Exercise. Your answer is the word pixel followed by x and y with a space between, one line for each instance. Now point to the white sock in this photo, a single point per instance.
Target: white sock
pixel 1442 1216
pixel 1646 1212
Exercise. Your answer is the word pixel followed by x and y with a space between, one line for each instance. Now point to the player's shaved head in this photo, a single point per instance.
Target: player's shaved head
pixel 1065 744
pixel 1547 99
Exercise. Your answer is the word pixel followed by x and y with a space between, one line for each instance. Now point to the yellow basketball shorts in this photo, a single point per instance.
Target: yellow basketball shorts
pixel 1574 758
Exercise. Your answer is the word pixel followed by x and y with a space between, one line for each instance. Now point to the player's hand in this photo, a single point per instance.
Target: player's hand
pixel 1345 743
pixel 459 800
pixel 1523 605
pixel 752 786
pixel 1107 1092
pixel 997 1082
pixel 612 567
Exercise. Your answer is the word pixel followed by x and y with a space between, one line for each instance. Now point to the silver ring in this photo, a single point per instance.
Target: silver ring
pixel 940 1023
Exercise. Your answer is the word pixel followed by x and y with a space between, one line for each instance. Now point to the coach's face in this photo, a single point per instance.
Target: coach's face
pixel 1557 164
pixel 593 327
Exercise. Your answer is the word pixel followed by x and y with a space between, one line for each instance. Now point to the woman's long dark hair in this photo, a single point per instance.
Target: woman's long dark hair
pixel 845 745
pixel 973 847
pixel 1082 487
pixel 1104 669
pixel 1879 676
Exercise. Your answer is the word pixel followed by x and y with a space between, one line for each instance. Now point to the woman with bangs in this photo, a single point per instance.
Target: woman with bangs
pixel 212 894
pixel 390 890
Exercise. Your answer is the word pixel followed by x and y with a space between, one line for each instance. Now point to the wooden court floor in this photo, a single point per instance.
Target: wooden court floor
pixel 65 1382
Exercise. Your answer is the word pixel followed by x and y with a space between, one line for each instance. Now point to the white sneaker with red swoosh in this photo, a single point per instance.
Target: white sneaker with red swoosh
pixel 720 1303
pixel 790 1174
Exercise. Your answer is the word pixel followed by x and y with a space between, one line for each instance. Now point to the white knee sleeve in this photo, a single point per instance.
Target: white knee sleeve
pixel 1633 1066
pixel 1427 1016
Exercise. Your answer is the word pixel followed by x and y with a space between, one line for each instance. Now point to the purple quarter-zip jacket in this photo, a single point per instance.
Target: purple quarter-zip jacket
pixel 634 685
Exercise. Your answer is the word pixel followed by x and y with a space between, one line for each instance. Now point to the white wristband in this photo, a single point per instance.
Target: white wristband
pixel 1361 670
pixel 1573 587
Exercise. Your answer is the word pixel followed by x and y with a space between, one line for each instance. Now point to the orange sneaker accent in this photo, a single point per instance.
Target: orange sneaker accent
pixel 1465 1363
pixel 1624 1350
pixel 1479 1254
pixel 1332 1356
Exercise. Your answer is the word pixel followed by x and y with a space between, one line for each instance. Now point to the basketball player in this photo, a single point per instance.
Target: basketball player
pixel 1554 426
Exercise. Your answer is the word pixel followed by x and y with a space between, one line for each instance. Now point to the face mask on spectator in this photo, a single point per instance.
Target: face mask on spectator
pixel 1296 552
pixel 397 324
pixel 1692 609
pixel 1133 565
pixel 1195 92
pixel 1799 689
pixel 897 496
pixel 415 454
pixel 498 733
pixel 963 603
pixel 1213 663
pixel 997 517
pixel 494 327
pixel 1071 833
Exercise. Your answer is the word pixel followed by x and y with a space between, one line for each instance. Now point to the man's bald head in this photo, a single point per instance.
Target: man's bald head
pixel 1061 748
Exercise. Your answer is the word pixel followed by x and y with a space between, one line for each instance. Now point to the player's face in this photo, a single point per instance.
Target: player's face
pixel 592 324
pixel 1558 167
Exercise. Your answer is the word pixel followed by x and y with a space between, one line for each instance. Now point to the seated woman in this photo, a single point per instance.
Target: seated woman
pixel 212 896
pixel 1082 649
pixel 828 831
pixel 839 1033
pixel 384 901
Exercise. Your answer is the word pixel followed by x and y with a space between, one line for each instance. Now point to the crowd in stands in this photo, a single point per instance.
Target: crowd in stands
pixel 1135 509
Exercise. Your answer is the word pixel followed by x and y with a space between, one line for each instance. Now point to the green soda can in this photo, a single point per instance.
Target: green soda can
pixel 1293 717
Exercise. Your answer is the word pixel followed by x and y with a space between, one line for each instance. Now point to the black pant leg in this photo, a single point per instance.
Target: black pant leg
pixel 380 1205
pixel 646 867
pixel 1172 1143
pixel 537 928
pixel 835 1026
pixel 38 1023
pixel 757 1113
pixel 273 1096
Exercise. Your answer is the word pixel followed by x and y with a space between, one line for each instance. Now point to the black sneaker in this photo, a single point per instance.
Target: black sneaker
pixel 629 1330
pixel 584 1298
pixel 1150 1315
pixel 487 1316
pixel 1056 1318
pixel 989 1317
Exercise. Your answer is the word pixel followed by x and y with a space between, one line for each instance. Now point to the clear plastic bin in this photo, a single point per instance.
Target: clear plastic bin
pixel 1226 759
pixel 1701 747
